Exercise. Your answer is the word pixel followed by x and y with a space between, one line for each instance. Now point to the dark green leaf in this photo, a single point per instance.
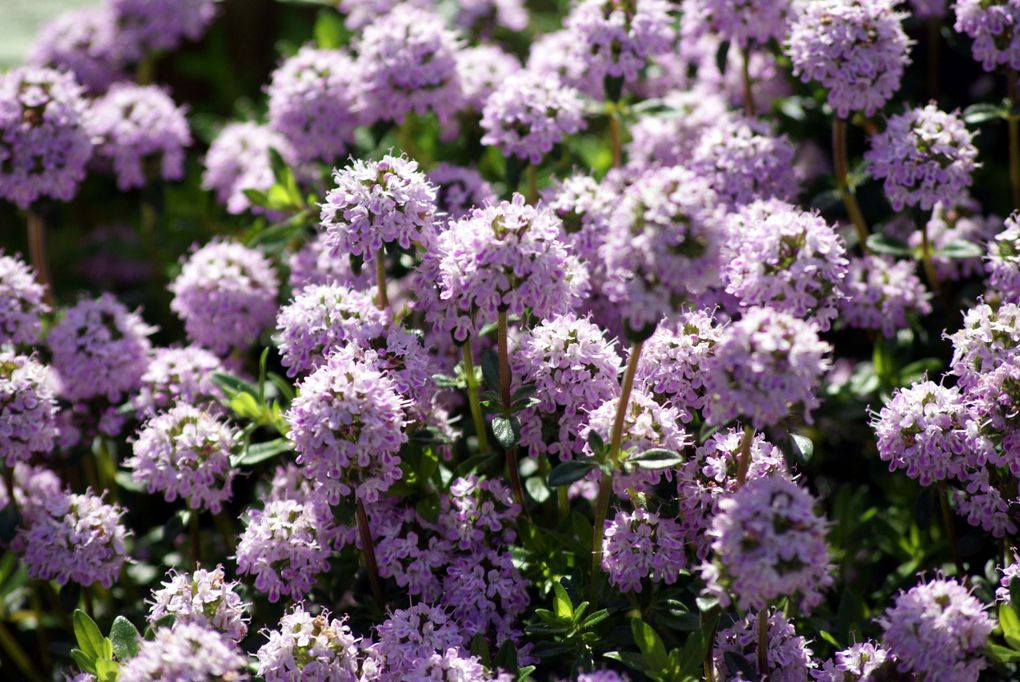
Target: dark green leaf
pixel 87 634
pixel 735 663
pixel 566 473
pixel 69 595
pixel 506 657
pixel 882 243
pixel 232 385
pixel 125 638
pixel 428 508
pixel 657 458
pixel 490 370
pixel 650 644
pixel 1001 654
pixel 1009 621
pixel 562 605
pixel 960 248
pixel 722 56
pixel 507 431
pixel 256 197
pixel 260 452
pixel 84 661
pixel 9 521
pixel 596 443
pixel 983 112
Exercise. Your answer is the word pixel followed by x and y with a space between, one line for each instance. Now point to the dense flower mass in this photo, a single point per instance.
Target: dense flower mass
pixel 376 204
pixel 1004 261
pixel 765 365
pixel 529 114
pixel 205 598
pixel 856 49
pixel 309 647
pixel 225 295
pixel 347 427
pixel 460 189
pixel 746 22
pixel 787 656
pixel 768 543
pixel 407 61
pixel 859 662
pixel 937 630
pixel 993 27
pixel 153 25
pixel 100 350
pixel 28 407
pixel 185 453
pixel 314 102
pixel 185 652
pixel 503 257
pixel 787 259
pixel 880 293
pixel 22 302
pixel 482 69
pixel 987 337
pixel 239 160
pixel 83 42
pixel 925 156
pixel 615 39
pixel 179 375
pixel 642 545
pixel 44 143
pixel 141 132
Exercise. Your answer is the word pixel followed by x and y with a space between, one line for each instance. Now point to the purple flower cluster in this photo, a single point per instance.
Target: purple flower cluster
pixel 185 453
pixel 745 23
pixel 788 259
pixel 179 375
pixel 312 264
pixel 141 132
pixel 377 203
pixel 314 102
pixel 788 658
pixel 925 156
pixel 641 545
pixel 859 662
pixel 1004 261
pixel 159 25
pixel 205 598
pixel 574 369
pixel 238 160
pixel 503 257
pixel 529 114
pixel 225 295
pixel 347 426
pixel 83 42
pixel 670 138
pixel 21 302
pixel 323 317
pixel 316 648
pixel 185 652
pixel 987 338
pixel 616 39
pixel 765 365
pixel 880 293
pixel 992 25
pixel 407 61
pixel 711 475
pixel 100 350
pixel 44 142
pixel 481 16
pixel 28 407
pixel 482 69
pixel 460 189
pixel 937 630
pixel 856 49
pixel 768 543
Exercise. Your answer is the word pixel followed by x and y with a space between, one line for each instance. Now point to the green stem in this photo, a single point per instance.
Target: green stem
pixel 606 480
pixel 504 388
pixel 14 651
pixel 563 502
pixel 382 300
pixel 763 644
pixel 532 174
pixel 37 252
pixel 746 73
pixel 839 157
pixel 744 455
pixel 473 402
pixel 368 552
pixel 615 135
pixel 1014 139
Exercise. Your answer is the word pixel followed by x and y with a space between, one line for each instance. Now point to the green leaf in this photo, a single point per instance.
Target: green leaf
pixel 537 489
pixel 1014 594
pixel 329 30
pixel 9 521
pixel 657 458
pixel 246 406
pixel 562 605
pixel 84 661
pixel 722 56
pixel 566 473
pixel 960 248
pixel 506 657
pixel 650 644
pixel 983 112
pixel 1001 654
pixel 125 638
pixel 525 672
pixel 106 670
pixel 882 243
pixel 735 663
pixel 801 449
pixel 232 385
pixel 490 369
pixel 428 508
pixel 479 646
pixel 1010 624
pixel 595 442
pixel 260 452
pixel 507 431
pixel 86 632
pixel 256 197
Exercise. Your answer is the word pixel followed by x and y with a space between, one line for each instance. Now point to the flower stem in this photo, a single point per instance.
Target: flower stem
pixel 763 643
pixel 746 72
pixel 744 455
pixel 368 552
pixel 382 300
pixel 606 480
pixel 615 135
pixel 504 387
pixel 472 391
pixel 947 519
pixel 532 175
pixel 37 252
pixel 839 157
pixel 1014 139
pixel 196 538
